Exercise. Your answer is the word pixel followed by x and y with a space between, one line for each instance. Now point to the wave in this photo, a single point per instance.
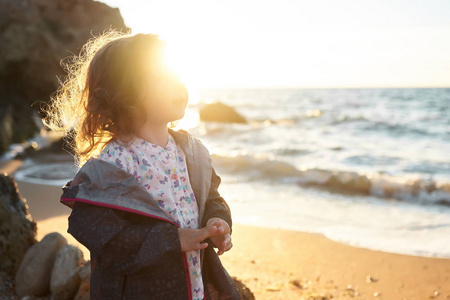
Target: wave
pixel 345 182
pixel 396 128
pixel 288 121
pixel 386 127
pixel 349 119
pixel 56 173
pixel 389 126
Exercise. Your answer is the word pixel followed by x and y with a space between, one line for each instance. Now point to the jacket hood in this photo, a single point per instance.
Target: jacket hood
pixel 103 184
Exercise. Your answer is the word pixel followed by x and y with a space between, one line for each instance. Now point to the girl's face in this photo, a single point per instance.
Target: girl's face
pixel 165 98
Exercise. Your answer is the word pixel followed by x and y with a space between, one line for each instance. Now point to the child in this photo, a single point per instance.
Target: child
pixel 145 198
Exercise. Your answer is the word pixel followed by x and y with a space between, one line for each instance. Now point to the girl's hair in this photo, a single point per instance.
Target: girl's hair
pixel 102 93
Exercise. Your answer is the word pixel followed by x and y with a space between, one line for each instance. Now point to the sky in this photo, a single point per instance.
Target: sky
pixel 304 44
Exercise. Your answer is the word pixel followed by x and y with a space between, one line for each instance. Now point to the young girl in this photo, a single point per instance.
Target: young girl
pixel 145 200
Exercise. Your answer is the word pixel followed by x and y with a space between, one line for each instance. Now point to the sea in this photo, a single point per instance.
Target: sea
pixel 366 167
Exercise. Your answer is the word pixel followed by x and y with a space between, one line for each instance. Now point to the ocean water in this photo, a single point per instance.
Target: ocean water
pixel 367 167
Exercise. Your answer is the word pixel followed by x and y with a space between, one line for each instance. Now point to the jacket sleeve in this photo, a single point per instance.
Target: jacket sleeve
pixel 215 205
pixel 123 242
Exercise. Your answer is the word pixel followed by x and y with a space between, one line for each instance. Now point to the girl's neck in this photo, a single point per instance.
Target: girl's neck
pixel 157 134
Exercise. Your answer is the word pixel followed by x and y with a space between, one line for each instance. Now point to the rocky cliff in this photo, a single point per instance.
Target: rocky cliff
pixel 34 36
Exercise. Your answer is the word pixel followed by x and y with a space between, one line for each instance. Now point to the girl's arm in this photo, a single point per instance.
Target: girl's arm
pixel 123 242
pixel 218 213
pixel 215 206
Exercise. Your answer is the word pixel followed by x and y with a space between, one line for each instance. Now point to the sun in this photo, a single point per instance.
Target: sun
pixel 180 61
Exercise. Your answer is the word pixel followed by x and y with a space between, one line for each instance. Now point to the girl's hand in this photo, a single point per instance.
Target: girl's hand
pixel 222 238
pixel 192 239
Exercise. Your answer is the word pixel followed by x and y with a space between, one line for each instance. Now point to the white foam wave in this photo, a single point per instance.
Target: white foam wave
pixel 414 190
pixel 54 174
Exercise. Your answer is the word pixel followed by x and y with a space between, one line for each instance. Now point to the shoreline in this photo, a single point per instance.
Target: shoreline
pixel 286 264
pixel 359 221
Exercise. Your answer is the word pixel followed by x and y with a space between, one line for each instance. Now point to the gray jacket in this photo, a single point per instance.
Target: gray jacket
pixel 135 248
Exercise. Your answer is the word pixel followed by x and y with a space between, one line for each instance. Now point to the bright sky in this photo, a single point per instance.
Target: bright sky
pixel 301 43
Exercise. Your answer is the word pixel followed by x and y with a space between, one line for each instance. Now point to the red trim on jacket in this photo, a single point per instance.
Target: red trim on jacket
pixel 185 261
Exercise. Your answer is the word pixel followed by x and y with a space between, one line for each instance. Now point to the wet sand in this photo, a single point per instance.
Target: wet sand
pixel 282 264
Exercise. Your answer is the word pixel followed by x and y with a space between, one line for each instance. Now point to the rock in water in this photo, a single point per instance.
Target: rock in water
pixel 17 228
pixel 219 112
pixel 35 35
pixel 65 279
pixel 33 276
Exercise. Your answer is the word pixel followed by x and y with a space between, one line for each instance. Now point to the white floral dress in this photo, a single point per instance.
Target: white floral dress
pixel 163 172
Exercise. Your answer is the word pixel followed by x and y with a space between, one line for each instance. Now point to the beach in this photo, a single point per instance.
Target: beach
pixel 327 122
pixel 284 264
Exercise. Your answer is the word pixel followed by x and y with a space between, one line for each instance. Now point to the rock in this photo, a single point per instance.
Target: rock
pixel 17 228
pixel 6 286
pixel 299 284
pixel 219 112
pixel 35 35
pixel 65 279
pixel 370 279
pixel 246 293
pixel 6 130
pixel 33 276
pixel 85 271
pixel 85 286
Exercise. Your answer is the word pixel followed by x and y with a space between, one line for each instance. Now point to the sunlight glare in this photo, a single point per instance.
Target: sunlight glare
pixel 189 121
pixel 295 43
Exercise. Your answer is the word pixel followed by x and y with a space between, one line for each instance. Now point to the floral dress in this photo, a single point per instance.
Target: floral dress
pixel 163 172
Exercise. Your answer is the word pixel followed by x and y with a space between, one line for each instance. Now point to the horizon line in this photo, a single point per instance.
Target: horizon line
pixel 323 87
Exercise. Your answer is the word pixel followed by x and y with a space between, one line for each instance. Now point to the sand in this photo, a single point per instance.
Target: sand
pixel 281 264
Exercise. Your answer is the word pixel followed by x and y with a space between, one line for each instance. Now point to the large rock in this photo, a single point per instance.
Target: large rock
pixel 219 112
pixel 34 36
pixel 17 228
pixel 65 279
pixel 33 276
